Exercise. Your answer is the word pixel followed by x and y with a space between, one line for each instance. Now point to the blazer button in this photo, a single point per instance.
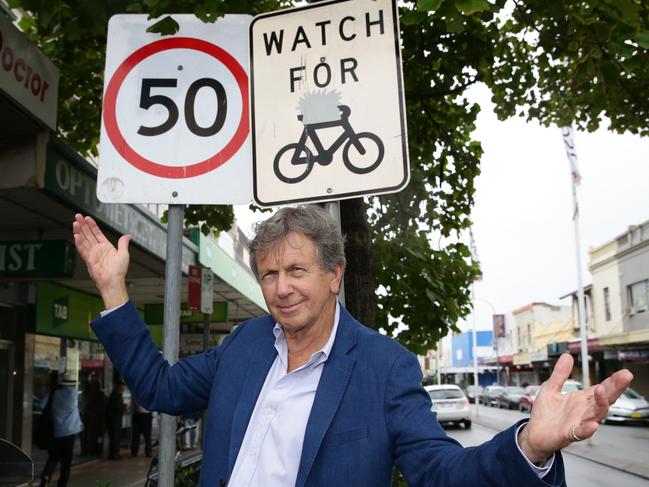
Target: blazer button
pixel 222 483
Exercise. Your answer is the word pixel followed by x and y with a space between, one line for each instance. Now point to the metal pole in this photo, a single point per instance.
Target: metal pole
pixel 581 302
pixel 475 353
pixel 439 368
pixel 173 278
pixel 206 346
pixel 333 209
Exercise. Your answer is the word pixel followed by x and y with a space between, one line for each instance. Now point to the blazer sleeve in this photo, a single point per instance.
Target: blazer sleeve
pixel 428 457
pixel 158 386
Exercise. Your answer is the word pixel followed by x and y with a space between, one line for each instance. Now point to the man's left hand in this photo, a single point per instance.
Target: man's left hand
pixel 560 419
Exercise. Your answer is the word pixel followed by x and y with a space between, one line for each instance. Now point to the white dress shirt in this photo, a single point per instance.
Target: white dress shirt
pixel 272 446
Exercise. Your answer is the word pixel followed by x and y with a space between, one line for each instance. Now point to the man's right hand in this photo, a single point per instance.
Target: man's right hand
pixel 106 264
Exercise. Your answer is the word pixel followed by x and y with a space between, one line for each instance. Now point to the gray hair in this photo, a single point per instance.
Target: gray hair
pixel 312 222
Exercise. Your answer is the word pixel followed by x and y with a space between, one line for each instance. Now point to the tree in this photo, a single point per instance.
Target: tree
pixel 549 60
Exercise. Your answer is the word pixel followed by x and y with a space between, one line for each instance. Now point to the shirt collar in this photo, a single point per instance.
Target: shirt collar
pixel 280 339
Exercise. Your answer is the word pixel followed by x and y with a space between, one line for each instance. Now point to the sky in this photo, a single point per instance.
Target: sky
pixel 523 226
pixel 522 217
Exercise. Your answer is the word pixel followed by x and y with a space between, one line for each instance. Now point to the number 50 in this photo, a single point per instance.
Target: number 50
pixel 147 100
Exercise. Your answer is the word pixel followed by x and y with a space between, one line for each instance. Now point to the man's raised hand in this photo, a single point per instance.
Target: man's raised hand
pixel 106 264
pixel 560 419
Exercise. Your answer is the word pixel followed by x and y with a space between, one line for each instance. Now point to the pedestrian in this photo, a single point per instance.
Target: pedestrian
pixel 141 426
pixel 93 411
pixel 191 425
pixel 114 413
pixel 308 396
pixel 66 424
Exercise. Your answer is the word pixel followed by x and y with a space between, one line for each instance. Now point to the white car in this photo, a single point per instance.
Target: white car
pixel 450 404
pixel 571 386
pixel 630 406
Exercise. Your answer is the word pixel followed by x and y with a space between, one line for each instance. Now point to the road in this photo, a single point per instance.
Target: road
pixel 618 456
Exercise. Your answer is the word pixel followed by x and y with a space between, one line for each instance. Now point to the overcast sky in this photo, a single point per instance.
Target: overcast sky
pixel 523 205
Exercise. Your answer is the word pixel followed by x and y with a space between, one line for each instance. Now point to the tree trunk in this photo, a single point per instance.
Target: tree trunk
pixel 360 299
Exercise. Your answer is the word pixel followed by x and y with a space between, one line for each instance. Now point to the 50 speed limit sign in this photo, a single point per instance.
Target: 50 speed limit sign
pixel 175 124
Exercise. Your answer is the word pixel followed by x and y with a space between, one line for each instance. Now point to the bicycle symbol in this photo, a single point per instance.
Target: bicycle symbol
pixel 362 153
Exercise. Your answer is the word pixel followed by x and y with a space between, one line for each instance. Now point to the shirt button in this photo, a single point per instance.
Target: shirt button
pixel 254 452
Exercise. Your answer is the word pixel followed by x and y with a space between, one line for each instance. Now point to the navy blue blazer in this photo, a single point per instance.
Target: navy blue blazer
pixel 369 412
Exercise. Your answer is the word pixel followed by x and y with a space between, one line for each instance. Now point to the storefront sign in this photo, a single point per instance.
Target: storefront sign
pixel 555 348
pixel 45 258
pixel 193 342
pixel 61 311
pixel 65 312
pixel 27 76
pixel 154 313
pixel 540 355
pixel 65 178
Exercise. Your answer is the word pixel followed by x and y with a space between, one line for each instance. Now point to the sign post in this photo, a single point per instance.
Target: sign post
pixel 175 130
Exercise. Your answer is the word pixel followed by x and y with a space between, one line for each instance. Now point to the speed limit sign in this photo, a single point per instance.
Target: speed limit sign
pixel 175 124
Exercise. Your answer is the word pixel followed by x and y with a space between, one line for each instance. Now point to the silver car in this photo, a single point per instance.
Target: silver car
pixel 630 406
pixel 450 404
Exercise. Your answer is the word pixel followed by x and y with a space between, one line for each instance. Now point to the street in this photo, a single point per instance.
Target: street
pixel 618 454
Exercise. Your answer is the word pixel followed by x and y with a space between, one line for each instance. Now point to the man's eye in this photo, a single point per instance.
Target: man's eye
pixel 297 270
pixel 268 277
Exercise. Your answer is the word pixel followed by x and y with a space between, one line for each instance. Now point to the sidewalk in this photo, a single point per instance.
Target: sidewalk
pixel 127 472
pixel 602 449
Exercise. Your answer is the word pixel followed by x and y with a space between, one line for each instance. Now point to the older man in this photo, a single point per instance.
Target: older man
pixel 310 397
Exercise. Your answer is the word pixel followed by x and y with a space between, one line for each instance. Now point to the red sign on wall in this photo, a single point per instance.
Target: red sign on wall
pixel 194 289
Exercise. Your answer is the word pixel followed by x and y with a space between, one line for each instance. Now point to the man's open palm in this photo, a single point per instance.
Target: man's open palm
pixel 106 264
pixel 560 419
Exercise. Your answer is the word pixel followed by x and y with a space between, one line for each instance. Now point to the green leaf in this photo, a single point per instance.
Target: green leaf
pixel 413 18
pixel 166 26
pixel 642 38
pixel 428 5
pixel 470 7
pixel 610 71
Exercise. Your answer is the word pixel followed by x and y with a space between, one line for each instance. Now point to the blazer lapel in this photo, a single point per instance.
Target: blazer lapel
pixel 258 369
pixel 333 382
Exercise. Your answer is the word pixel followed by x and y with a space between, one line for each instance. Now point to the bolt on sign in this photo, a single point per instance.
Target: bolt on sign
pixel 175 122
pixel 327 102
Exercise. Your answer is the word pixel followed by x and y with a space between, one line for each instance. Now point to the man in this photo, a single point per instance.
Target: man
pixel 114 413
pixel 310 397
pixel 66 423
pixel 142 422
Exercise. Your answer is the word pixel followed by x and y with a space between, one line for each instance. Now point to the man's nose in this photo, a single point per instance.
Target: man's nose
pixel 284 285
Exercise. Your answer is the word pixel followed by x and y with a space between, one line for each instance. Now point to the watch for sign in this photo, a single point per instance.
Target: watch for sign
pixel 328 115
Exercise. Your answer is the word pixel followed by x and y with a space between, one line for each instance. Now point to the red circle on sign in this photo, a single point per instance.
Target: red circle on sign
pixel 175 172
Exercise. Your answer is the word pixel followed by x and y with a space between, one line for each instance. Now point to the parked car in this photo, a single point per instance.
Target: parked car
pixel 630 406
pixel 472 391
pixel 571 386
pixel 510 397
pixel 528 398
pixel 450 404
pixel 489 397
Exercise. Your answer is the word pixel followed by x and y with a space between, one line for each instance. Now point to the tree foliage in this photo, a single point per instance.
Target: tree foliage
pixel 554 61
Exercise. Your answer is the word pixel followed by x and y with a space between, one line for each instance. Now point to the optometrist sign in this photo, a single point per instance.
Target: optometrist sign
pixel 175 125
pixel 327 100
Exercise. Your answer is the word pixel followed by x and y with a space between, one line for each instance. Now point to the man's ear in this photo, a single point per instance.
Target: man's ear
pixel 337 279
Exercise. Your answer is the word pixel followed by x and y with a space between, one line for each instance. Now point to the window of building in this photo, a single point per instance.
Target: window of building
pixel 639 296
pixel 607 304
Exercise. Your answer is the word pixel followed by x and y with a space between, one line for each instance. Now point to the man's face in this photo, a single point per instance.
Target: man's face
pixel 297 291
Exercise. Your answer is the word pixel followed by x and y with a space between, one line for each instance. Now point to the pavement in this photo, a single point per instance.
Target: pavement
pixel 610 449
pixel 126 472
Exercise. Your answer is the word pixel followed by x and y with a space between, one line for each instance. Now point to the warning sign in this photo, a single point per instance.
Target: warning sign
pixel 328 115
